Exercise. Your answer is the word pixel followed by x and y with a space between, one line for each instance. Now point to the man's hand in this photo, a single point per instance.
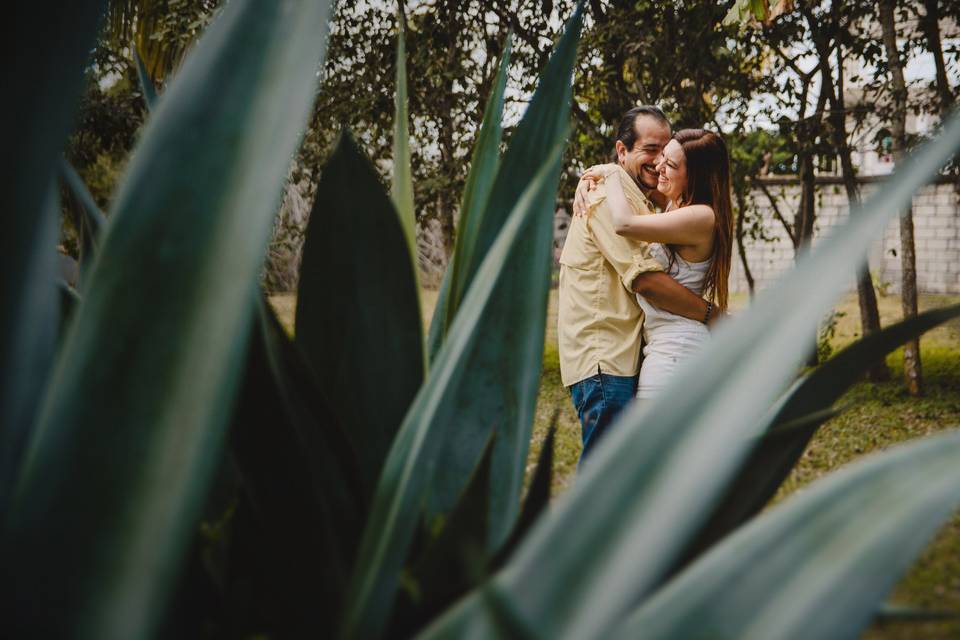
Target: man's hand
pixel 668 294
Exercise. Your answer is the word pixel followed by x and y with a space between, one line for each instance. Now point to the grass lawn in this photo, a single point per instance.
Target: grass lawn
pixel 879 415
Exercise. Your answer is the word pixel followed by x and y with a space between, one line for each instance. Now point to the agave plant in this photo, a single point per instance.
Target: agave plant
pixel 180 464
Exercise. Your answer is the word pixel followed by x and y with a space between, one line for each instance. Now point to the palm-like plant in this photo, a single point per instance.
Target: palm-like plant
pixel 375 499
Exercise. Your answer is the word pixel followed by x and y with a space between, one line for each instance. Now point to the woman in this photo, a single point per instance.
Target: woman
pixel 692 239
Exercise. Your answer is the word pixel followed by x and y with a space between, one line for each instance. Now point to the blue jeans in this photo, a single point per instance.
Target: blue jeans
pixel 599 399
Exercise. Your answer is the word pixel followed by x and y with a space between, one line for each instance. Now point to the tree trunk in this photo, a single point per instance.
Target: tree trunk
pixel 804 224
pixel 912 370
pixel 931 28
pixel 807 213
pixel 741 209
pixel 866 295
pixel 445 215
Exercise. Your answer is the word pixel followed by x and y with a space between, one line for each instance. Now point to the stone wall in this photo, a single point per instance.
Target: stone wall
pixel 936 212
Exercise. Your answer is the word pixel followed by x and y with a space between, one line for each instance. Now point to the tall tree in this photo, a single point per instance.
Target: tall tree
pixel 930 24
pixel 830 29
pixel 912 369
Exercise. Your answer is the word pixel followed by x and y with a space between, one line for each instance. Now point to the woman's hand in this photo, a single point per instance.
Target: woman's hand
pixel 717 317
pixel 588 182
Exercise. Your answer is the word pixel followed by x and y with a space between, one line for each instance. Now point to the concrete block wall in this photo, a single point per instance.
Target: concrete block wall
pixel 936 216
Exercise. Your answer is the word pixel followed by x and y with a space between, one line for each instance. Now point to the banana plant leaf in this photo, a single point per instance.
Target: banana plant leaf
pixel 302 480
pixel 504 392
pixel 43 89
pixel 133 424
pixel 819 564
pixel 358 319
pixel 472 362
pixel 778 452
pixel 476 192
pixel 664 465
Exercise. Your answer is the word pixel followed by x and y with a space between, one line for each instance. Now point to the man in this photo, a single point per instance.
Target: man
pixel 600 320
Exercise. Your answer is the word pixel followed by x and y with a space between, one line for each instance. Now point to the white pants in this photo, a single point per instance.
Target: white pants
pixel 662 355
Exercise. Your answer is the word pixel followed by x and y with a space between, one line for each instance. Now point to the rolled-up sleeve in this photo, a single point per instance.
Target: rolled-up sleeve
pixel 628 257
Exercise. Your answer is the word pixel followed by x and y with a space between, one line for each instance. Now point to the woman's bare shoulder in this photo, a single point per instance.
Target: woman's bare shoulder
pixel 697 211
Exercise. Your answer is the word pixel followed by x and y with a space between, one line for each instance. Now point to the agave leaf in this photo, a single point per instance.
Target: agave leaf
pixel 146 84
pixel 69 299
pixel 819 564
pixel 544 120
pixel 27 363
pixel 509 624
pixel 357 319
pixel 827 383
pixel 892 612
pixel 476 192
pixel 302 480
pixel 460 381
pixel 162 332
pixel 88 218
pixel 443 572
pixel 437 331
pixel 46 82
pixel 402 190
pixel 538 497
pixel 95 220
pixel 507 379
pixel 771 462
pixel 663 466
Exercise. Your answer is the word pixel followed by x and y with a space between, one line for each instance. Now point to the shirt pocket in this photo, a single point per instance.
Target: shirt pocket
pixel 579 251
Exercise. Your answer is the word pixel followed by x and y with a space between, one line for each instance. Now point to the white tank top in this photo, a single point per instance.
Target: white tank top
pixel 659 323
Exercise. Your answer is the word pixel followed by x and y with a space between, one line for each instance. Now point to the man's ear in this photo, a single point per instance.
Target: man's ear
pixel 621 150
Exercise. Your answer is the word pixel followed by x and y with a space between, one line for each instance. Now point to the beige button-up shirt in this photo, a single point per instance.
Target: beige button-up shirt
pixel 599 318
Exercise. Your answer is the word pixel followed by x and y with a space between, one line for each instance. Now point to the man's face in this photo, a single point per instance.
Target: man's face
pixel 641 161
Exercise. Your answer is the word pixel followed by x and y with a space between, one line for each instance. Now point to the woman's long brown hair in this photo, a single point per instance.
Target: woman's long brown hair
pixel 708 182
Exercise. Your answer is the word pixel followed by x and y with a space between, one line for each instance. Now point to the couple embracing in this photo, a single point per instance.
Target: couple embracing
pixel 627 272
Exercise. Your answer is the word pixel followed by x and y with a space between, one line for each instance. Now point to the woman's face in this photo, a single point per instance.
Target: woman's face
pixel 672 169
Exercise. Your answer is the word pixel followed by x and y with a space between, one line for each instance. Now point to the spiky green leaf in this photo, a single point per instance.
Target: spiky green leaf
pixel 819 564
pixel 146 84
pixel 468 372
pixel 134 421
pixel 776 454
pixel 357 319
pixel 537 500
pixel 87 217
pixel 402 189
pixel 302 480
pixel 476 192
pixel 444 571
pixel 42 89
pixel 514 352
pixel 544 119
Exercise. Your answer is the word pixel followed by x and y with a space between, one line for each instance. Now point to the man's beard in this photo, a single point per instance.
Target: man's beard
pixel 646 188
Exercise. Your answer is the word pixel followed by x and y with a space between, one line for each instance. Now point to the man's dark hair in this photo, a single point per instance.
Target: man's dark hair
pixel 627 131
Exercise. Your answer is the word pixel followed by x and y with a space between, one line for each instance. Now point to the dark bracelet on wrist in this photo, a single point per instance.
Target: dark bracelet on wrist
pixel 706 318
